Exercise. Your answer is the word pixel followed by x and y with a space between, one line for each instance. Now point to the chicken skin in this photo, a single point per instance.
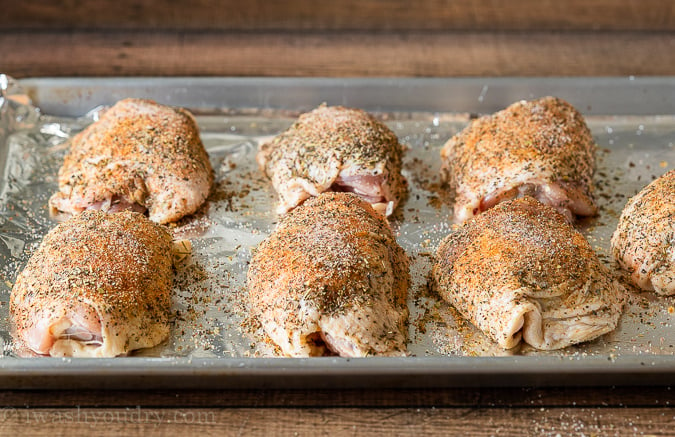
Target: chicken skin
pixel 332 279
pixel 333 148
pixel 99 285
pixel 541 148
pixel 520 271
pixel 140 156
pixel 644 240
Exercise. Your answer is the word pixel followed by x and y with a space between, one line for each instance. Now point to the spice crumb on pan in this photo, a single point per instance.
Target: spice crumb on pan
pixel 209 318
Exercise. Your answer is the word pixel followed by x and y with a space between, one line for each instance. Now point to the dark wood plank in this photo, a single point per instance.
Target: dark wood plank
pixel 338 422
pixel 341 15
pixel 623 397
pixel 336 54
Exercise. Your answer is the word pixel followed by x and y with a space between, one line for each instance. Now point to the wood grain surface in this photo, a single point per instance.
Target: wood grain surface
pixel 337 422
pixel 558 411
pixel 527 397
pixel 370 15
pixel 427 38
pixel 336 54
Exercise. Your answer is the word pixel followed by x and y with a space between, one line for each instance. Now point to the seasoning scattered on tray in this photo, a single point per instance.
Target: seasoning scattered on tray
pixel 207 291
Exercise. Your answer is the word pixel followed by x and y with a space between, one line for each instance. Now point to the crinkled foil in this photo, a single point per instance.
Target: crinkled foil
pixel 210 318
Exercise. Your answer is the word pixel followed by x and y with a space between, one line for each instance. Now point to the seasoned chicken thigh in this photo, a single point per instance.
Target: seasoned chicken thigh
pixel 644 240
pixel 335 149
pixel 332 278
pixel 139 156
pixel 520 271
pixel 98 286
pixel 541 148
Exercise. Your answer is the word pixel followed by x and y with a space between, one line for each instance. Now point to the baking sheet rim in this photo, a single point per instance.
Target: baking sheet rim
pixel 142 372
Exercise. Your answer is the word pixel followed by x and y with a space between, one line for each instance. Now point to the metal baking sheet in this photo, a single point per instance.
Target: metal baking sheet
pixel 215 344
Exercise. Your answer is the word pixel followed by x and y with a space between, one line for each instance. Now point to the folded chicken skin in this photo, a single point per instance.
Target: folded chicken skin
pixel 520 271
pixel 139 156
pixel 644 240
pixel 331 279
pixel 98 285
pixel 334 148
pixel 540 148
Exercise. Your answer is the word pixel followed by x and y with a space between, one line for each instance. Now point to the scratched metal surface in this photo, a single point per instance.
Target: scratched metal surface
pixel 210 318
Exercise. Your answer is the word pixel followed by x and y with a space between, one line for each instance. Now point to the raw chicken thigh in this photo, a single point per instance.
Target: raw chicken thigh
pixel 520 271
pixel 98 286
pixel 332 279
pixel 333 148
pixel 541 148
pixel 140 156
pixel 644 240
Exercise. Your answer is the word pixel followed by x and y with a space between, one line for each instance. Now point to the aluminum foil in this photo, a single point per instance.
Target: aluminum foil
pixel 210 318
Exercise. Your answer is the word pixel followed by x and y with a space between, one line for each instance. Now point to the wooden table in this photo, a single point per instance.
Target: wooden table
pixel 488 411
pixel 339 38
pixel 344 38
